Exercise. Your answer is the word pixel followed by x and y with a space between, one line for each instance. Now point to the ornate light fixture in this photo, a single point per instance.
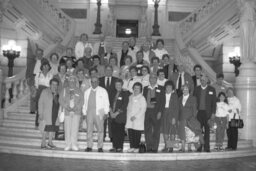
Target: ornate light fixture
pixel 156 26
pixel 235 60
pixel 98 25
pixel 11 51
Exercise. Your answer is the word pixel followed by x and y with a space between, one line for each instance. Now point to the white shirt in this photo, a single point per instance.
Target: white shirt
pixel 184 99
pixel 182 80
pixel 102 101
pixel 167 99
pixel 79 49
pixel 133 52
pixel 37 66
pixel 159 53
pixel 235 105
pixel 161 82
pixel 222 109
pixel 40 79
pixel 145 80
pixel 106 80
pixel 128 84
pixel 146 56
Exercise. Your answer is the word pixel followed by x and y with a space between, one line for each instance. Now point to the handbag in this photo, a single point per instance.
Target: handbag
pixel 236 123
pixel 173 141
pixel 142 147
pixel 61 114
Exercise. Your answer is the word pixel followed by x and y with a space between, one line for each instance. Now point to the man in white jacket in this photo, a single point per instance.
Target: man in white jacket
pixel 95 108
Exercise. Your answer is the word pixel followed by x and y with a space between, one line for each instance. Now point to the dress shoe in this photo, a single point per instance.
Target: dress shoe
pixel 149 150
pixel 136 150
pixel 207 151
pixel 181 150
pixel 165 150
pixel 154 151
pixel 88 149
pixel 51 146
pixel 199 149
pixel 67 148
pixel 100 150
pixel 112 150
pixel 130 150
pixel 43 147
pixel 170 150
pixel 119 150
pixel 75 148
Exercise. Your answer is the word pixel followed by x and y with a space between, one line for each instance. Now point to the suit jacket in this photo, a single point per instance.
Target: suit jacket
pixel 194 80
pixel 121 105
pixel 169 70
pixel 160 97
pixel 111 90
pixel 173 109
pixel 210 99
pixel 187 78
pixel 189 110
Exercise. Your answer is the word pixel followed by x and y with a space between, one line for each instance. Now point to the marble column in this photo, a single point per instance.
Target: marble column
pixel 246 81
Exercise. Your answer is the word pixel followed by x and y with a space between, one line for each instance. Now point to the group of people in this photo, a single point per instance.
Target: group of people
pixel 132 91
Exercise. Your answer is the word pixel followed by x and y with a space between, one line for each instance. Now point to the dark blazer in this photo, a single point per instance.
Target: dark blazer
pixel 194 80
pixel 160 98
pixel 111 90
pixel 173 109
pixel 210 99
pixel 169 70
pixel 189 110
pixel 121 104
pixel 187 78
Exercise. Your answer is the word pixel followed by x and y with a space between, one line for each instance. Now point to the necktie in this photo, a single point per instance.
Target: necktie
pixel 108 82
pixel 179 83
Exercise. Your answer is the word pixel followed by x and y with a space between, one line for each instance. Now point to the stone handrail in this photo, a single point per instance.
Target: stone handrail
pixel 57 14
pixel 18 83
pixel 187 24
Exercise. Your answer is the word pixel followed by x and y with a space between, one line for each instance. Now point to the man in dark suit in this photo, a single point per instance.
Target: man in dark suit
pixel 155 97
pixel 181 78
pixel 118 114
pixel 206 106
pixel 198 72
pixel 108 82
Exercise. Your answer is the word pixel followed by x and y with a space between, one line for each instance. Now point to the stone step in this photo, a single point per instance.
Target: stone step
pixel 34 133
pixel 36 151
pixel 36 141
pixel 22 116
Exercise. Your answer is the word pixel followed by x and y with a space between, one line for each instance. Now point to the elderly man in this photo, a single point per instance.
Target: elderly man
pixel 181 78
pixel 155 97
pixel 95 108
pixel 206 106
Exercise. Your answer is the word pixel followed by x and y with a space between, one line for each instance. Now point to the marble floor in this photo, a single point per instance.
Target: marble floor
pixel 11 162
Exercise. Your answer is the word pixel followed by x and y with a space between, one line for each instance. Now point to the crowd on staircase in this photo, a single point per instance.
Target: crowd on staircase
pixel 136 90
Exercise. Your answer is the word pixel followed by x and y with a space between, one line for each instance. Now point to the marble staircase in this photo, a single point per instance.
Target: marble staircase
pixel 18 135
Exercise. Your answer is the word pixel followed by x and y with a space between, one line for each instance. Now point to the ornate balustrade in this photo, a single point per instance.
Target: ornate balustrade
pixel 188 23
pixel 57 14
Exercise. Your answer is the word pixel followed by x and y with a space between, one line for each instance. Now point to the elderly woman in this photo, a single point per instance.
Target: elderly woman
pixel 48 107
pixel 235 105
pixel 189 126
pixel 145 76
pixel 54 62
pixel 135 117
pixel 61 76
pixel 118 115
pixel 42 80
pixel 71 99
pixel 170 114
pixel 124 70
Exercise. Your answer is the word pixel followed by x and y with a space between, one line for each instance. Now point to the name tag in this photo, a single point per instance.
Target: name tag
pixel 77 94
pixel 211 93
pixel 119 98
pixel 157 90
pixel 139 65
